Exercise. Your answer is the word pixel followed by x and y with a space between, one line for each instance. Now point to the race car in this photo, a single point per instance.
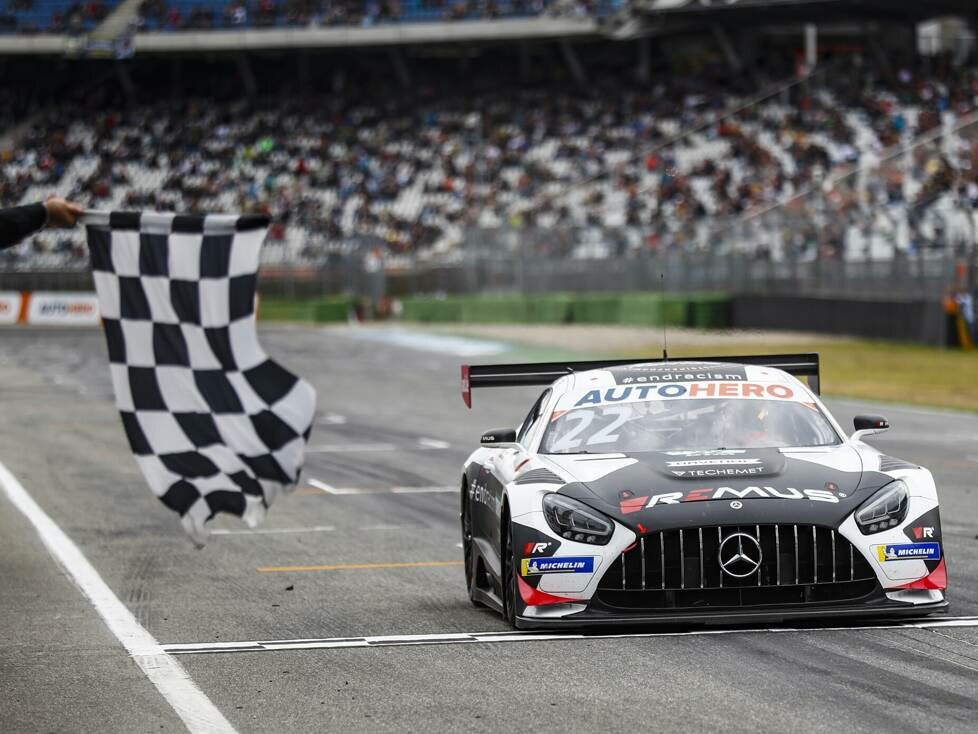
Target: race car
pixel 696 491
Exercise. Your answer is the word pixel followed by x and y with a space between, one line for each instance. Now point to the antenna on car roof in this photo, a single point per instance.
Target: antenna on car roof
pixel 662 315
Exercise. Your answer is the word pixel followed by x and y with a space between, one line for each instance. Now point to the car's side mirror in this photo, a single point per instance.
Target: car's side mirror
pixel 867 425
pixel 498 437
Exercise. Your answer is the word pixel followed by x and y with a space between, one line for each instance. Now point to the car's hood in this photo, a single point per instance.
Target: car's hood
pixel 701 488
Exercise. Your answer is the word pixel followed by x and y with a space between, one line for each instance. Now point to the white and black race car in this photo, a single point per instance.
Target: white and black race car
pixel 712 490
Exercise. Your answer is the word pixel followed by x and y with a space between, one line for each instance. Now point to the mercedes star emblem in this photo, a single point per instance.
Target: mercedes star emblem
pixel 740 555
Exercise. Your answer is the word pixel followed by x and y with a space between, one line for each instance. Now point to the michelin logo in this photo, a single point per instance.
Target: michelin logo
pixel 564 564
pixel 909 552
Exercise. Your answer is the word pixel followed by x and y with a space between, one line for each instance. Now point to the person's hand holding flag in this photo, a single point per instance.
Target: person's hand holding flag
pixel 60 213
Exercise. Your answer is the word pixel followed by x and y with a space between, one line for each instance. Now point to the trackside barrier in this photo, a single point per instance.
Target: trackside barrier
pixel 80 308
pixel 320 310
pixel 656 310
pixel 701 311
pixel 49 308
pixel 10 302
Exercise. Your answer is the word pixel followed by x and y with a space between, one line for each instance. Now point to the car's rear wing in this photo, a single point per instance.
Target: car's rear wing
pixel 543 373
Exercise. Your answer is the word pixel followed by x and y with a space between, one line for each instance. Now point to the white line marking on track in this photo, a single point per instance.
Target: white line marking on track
pixel 433 443
pixel 334 419
pixel 422 490
pixel 342 448
pixel 940 439
pixel 274 531
pixel 193 707
pixel 520 636
pixel 431 342
pixel 313 529
pixel 868 405
pixel 330 489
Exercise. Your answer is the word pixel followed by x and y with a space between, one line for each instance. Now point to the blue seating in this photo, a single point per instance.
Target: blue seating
pixel 370 12
pixel 38 18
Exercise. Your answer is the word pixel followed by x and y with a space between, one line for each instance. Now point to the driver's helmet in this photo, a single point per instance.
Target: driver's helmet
pixel 741 417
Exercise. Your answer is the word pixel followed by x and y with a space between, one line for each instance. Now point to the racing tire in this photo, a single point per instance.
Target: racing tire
pixel 508 566
pixel 468 548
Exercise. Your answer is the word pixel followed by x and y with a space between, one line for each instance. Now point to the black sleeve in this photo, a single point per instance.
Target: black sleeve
pixel 17 223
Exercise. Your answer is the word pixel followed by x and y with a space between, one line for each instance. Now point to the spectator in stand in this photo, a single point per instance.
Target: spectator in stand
pixel 238 13
pixel 265 13
pixel 173 20
pixel 151 10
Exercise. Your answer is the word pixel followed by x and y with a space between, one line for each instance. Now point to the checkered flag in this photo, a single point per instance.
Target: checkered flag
pixel 215 425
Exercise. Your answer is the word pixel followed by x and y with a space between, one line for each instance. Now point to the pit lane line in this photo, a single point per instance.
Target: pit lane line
pixel 461 638
pixel 191 704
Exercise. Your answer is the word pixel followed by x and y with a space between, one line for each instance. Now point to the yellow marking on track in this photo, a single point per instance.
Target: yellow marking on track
pixel 306 491
pixel 357 566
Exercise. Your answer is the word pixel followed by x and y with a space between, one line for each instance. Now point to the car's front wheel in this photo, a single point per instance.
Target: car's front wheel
pixel 468 547
pixel 508 565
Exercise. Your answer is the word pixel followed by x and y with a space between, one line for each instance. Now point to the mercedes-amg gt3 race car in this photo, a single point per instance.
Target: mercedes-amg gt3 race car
pixel 714 490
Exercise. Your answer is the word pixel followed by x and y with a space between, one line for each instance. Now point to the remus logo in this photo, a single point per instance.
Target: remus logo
pixel 629 503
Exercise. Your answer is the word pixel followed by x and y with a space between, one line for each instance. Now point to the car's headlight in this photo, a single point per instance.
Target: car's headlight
pixel 885 509
pixel 576 521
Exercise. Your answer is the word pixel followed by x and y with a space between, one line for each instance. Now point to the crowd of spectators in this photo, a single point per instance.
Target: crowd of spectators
pixel 422 169
pixel 204 14
pixel 71 17
pixel 75 16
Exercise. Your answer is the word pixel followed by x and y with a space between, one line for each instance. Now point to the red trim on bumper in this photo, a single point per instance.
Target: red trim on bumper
pixel 534 598
pixel 936 579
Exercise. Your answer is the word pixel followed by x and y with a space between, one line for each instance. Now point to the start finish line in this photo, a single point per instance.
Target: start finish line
pixel 517 636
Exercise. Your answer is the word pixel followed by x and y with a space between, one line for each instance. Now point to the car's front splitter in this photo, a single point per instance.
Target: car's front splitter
pixel 591 618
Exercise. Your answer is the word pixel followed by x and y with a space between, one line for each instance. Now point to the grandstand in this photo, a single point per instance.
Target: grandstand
pixel 416 173
pixel 699 142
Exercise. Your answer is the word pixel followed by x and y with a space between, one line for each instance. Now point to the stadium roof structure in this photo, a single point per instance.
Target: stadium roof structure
pixel 808 11
pixel 475 31
pixel 649 17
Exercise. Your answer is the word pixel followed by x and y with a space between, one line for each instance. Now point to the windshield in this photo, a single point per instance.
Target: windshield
pixel 687 424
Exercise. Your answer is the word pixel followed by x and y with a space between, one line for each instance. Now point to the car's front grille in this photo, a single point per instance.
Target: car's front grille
pixel 681 568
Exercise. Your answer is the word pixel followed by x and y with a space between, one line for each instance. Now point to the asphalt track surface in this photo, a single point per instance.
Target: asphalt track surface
pixel 355 554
